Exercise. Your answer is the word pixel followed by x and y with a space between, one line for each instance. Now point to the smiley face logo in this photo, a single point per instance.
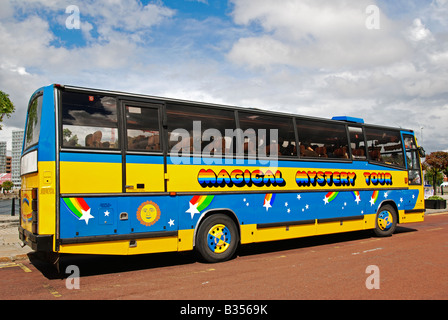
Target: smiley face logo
pixel 148 213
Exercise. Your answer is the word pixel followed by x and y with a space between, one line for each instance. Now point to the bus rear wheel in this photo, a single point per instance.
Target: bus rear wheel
pixel 385 221
pixel 217 238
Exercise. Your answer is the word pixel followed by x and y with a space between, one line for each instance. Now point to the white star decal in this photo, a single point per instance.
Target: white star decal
pixel 86 216
pixel 267 204
pixel 193 209
pixel 171 222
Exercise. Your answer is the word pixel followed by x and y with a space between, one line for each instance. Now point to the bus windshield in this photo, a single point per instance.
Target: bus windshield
pixel 33 122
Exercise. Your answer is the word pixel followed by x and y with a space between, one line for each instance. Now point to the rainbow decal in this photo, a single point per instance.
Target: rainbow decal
pixel 199 203
pixel 79 208
pixel 269 200
pixel 374 197
pixel 207 178
pixel 330 196
pixel 356 196
pixel 26 216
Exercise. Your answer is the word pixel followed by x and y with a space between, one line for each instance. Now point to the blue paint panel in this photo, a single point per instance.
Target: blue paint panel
pixel 253 209
pixel 177 213
pixel 90 157
pixel 145 159
pixel 355 165
pixel 47 141
pixel 109 158
pixel 104 216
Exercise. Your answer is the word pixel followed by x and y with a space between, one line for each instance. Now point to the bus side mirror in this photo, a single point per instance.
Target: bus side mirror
pixel 421 152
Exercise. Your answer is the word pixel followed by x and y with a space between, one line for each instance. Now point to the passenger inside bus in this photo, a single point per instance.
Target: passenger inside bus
pixel 96 139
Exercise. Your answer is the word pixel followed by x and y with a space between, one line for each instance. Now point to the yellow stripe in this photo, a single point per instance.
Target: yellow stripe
pixel 184 178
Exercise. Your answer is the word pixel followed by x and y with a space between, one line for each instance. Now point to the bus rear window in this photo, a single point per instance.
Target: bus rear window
pixel 89 121
pixel 33 122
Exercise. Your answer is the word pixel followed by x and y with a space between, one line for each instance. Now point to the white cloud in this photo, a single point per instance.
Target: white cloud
pixel 125 15
pixel 6 10
pixel 419 32
pixel 104 17
pixel 317 34
pixel 438 11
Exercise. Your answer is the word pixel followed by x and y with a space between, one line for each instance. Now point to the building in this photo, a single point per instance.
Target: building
pixel 8 164
pixel 17 142
pixel 2 156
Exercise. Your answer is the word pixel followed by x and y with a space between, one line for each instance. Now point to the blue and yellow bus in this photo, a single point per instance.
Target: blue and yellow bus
pixel 116 173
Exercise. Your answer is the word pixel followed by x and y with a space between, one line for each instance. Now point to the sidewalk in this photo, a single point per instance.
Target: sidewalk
pixel 11 246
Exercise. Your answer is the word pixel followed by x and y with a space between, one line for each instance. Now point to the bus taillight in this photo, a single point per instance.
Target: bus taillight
pixel 34 206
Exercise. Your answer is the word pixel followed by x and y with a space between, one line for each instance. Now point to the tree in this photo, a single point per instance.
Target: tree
pixel 7 185
pixel 6 107
pixel 438 163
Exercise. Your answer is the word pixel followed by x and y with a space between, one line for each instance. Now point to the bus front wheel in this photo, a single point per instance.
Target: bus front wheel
pixel 217 238
pixel 386 221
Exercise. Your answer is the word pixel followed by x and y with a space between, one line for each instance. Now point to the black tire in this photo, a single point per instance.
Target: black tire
pixel 217 238
pixel 385 221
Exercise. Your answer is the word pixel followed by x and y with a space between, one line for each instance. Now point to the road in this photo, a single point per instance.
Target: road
pixel 412 264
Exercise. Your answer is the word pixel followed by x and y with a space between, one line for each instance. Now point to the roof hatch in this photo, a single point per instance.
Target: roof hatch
pixel 348 119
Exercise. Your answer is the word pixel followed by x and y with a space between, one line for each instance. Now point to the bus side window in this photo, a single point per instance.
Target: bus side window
pixel 199 130
pixel 33 122
pixel 385 146
pixel 357 143
pixel 318 139
pixel 143 132
pixel 272 135
pixel 89 121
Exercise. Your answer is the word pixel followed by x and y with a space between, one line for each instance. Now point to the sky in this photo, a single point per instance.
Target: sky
pixel 380 60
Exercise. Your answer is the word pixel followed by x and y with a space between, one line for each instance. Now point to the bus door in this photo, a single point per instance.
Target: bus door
pixel 413 167
pixel 90 157
pixel 412 160
pixel 144 169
